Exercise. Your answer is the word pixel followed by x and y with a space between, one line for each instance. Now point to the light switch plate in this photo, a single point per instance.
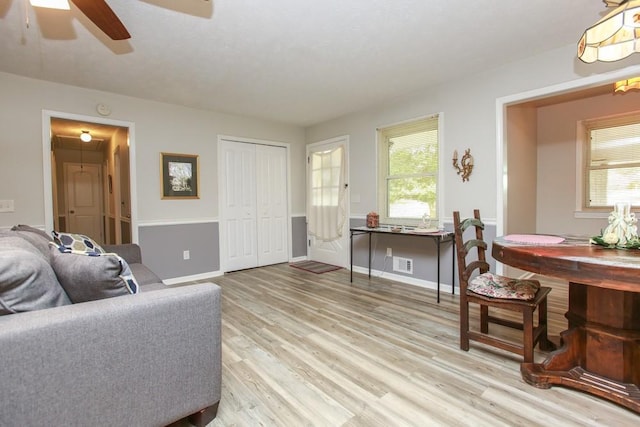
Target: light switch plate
pixel 6 206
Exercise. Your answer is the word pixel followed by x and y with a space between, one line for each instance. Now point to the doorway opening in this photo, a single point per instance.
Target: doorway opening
pixel 89 188
pixel 535 194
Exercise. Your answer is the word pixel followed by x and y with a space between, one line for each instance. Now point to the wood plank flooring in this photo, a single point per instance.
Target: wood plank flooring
pixel 302 349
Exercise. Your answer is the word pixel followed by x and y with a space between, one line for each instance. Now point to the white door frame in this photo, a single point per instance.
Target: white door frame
pixel 47 115
pixel 345 239
pixel 221 183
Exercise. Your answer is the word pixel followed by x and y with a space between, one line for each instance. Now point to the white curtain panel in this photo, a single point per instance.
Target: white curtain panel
pixel 326 203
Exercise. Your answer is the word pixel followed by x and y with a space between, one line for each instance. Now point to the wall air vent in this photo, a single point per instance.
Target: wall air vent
pixel 403 265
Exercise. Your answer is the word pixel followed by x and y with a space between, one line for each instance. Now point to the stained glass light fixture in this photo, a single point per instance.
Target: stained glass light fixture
pixel 615 36
pixel 628 84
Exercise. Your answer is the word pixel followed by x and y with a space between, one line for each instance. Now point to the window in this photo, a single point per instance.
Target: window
pixel 408 171
pixel 612 169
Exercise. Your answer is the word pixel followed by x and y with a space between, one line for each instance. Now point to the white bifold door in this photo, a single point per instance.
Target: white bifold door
pixel 253 205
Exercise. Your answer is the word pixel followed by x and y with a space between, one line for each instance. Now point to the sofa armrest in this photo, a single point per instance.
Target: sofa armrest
pixel 146 360
pixel 130 252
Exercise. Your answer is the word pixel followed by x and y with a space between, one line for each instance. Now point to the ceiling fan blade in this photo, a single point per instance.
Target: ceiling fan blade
pixel 99 12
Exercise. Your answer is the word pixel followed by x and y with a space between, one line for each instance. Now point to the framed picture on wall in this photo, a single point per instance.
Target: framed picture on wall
pixel 179 176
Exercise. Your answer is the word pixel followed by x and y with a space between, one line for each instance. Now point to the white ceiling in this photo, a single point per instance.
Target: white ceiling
pixel 295 61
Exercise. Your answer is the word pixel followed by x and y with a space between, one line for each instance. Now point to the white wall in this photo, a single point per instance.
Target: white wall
pixel 158 127
pixel 469 109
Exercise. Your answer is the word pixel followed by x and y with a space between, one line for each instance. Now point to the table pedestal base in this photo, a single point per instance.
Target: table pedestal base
pixel 601 349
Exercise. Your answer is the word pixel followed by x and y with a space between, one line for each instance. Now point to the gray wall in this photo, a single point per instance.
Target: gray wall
pixel 163 247
pixel 299 236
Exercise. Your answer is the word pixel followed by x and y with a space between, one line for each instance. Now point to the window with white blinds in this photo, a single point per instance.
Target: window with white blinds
pixel 612 172
pixel 408 171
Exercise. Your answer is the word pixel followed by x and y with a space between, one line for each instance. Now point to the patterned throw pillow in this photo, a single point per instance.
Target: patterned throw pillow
pixel 495 286
pixel 88 276
pixel 77 242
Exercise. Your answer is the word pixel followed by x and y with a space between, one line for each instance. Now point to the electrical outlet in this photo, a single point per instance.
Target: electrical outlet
pixel 6 206
pixel 186 255
pixel 389 252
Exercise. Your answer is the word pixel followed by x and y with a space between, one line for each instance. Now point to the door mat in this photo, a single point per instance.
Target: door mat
pixel 315 266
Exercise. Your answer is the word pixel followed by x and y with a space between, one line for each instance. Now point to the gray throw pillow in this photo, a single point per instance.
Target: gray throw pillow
pixel 91 276
pixel 27 281
pixel 38 238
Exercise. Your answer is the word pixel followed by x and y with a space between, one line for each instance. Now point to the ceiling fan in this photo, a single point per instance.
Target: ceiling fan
pixel 98 12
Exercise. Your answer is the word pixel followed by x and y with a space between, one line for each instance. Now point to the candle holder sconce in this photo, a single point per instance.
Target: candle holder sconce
pixel 466 164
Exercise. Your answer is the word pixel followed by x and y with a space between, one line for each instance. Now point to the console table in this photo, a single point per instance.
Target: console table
pixel 601 349
pixel 438 237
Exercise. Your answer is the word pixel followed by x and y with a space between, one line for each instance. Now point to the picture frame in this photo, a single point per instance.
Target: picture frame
pixel 179 175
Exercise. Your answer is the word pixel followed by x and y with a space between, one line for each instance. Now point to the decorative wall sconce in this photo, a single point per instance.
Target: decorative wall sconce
pixel 466 164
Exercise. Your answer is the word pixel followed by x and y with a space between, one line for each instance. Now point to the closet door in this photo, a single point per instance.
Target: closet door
pixel 271 173
pixel 238 238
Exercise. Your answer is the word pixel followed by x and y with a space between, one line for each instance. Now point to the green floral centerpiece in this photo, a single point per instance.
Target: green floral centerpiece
pixel 622 231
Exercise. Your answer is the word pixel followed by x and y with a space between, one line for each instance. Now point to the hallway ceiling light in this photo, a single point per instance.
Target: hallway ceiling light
pixel 615 36
pixel 51 4
pixel 85 136
pixel 628 84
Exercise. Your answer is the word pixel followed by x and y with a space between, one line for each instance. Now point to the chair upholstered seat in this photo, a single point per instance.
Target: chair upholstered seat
pixel 496 286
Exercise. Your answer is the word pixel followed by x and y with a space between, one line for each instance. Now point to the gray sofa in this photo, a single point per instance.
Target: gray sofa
pixel 148 359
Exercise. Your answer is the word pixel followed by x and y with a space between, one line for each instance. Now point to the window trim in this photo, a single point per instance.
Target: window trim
pixel 381 176
pixel 583 146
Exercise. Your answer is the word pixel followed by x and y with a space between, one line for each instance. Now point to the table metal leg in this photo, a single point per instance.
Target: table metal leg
pixel 351 256
pixel 369 255
pixel 438 268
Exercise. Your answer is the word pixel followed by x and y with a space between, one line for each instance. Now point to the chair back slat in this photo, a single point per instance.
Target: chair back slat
pixel 463 248
pixel 473 243
pixel 471 222
pixel 483 267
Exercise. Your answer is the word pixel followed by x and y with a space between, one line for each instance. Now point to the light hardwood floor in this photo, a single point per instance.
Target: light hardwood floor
pixel 301 349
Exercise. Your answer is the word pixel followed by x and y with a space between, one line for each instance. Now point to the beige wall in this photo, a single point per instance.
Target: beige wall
pixel 158 127
pixel 522 170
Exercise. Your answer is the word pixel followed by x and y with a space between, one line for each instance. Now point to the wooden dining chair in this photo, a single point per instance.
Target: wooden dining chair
pixel 490 290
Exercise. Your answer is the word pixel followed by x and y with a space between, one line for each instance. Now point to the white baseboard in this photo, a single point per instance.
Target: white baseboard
pixel 192 278
pixel 444 287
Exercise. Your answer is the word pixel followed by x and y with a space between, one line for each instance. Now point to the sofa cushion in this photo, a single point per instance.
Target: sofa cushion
pixel 143 275
pixel 88 276
pixel 38 238
pixel 77 242
pixel 27 281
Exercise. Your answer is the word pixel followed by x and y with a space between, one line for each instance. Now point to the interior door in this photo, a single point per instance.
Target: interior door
pixel 83 197
pixel 328 196
pixel 238 205
pixel 271 170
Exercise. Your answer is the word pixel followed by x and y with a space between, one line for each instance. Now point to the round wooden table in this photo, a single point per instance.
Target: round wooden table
pixel 600 352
